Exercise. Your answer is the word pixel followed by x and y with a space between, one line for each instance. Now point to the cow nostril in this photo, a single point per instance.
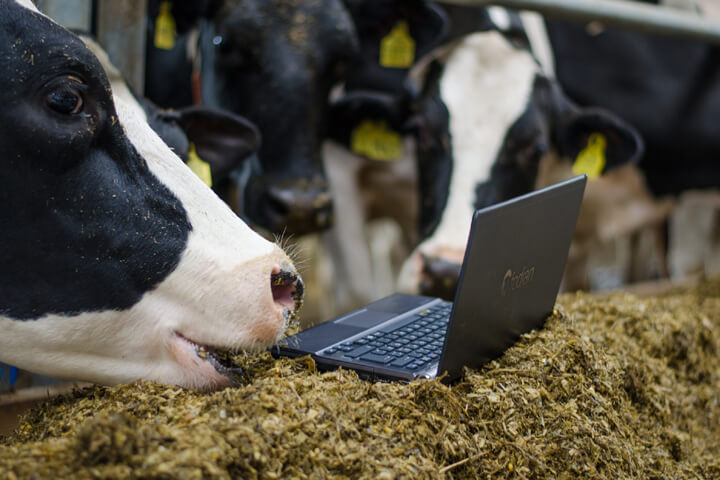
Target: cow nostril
pixel 287 288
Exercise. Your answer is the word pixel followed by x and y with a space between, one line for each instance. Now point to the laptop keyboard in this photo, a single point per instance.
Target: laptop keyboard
pixel 411 344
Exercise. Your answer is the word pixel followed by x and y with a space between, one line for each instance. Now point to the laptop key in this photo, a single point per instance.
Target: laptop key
pixel 400 324
pixel 402 361
pixel 371 357
pixel 359 351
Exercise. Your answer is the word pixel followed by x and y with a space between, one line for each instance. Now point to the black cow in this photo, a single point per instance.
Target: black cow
pixel 275 62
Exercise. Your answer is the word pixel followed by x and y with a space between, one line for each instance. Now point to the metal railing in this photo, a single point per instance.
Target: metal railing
pixel 617 13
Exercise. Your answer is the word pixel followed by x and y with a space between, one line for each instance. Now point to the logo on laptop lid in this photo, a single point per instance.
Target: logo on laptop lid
pixel 516 280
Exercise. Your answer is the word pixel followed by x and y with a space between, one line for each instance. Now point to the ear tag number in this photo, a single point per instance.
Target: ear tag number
pixel 199 166
pixel 165 31
pixel 591 160
pixel 397 48
pixel 374 140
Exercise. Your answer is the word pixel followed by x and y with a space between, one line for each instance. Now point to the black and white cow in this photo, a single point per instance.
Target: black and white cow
pixel 118 263
pixel 275 63
pixel 510 125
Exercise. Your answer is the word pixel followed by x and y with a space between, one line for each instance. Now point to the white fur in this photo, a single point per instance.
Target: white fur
pixel 218 295
pixel 486 86
pixel 28 4
pixel 500 17
pixel 534 26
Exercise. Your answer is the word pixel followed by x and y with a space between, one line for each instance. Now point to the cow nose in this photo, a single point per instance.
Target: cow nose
pixel 299 208
pixel 439 277
pixel 287 288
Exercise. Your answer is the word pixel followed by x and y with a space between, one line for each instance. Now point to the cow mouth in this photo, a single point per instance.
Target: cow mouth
pixel 287 294
pixel 220 359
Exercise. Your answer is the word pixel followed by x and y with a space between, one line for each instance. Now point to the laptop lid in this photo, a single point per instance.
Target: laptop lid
pixel 511 273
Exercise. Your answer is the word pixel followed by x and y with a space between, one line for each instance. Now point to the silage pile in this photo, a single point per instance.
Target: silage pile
pixel 614 387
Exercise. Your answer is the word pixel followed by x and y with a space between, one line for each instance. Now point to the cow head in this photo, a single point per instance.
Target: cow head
pixel 508 123
pixel 118 262
pixel 275 62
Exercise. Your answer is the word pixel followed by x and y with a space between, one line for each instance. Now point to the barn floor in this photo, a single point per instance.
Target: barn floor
pixel 615 386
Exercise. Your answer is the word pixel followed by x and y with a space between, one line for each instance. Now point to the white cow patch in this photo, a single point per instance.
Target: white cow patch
pixel 500 18
pixel 28 4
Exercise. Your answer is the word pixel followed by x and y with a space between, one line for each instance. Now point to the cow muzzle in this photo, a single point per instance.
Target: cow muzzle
pixel 298 207
pixel 439 277
pixel 210 355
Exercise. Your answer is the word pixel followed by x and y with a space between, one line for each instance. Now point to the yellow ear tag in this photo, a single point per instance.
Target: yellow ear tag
pixel 199 166
pixel 165 31
pixel 376 141
pixel 591 160
pixel 397 48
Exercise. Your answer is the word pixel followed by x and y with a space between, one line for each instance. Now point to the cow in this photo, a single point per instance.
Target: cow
pixel 118 262
pixel 509 122
pixel 275 64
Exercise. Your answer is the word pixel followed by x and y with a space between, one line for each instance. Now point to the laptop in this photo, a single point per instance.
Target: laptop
pixel 508 284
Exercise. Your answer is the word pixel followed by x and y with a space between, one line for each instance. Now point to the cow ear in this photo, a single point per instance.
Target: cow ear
pixel 369 124
pixel 598 141
pixel 220 138
pixel 393 35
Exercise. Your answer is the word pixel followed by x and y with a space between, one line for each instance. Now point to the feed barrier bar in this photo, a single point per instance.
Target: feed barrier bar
pixel 617 13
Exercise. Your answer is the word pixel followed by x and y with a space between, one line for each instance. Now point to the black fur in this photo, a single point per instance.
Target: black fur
pixel 275 63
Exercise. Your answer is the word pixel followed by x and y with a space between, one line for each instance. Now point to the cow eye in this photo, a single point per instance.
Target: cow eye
pixel 65 99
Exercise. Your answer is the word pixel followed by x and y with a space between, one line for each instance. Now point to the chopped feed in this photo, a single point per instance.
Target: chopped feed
pixel 614 386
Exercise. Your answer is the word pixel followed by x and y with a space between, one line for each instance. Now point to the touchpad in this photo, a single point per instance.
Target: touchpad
pixel 364 318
